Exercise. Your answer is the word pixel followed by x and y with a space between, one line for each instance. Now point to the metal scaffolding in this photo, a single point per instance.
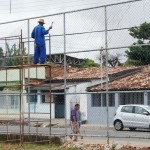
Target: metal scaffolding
pixel 28 76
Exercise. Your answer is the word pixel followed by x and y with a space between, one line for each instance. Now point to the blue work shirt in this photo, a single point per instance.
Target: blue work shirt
pixel 38 34
pixel 73 113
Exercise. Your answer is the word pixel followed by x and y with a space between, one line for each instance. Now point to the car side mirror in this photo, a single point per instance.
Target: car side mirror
pixel 145 113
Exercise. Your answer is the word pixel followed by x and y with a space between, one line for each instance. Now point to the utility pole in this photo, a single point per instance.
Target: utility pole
pixel 10 6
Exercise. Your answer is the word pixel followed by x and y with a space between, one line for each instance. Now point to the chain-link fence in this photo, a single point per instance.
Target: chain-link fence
pixel 97 58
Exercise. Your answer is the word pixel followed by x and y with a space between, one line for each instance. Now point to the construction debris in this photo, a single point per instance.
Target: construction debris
pixel 116 146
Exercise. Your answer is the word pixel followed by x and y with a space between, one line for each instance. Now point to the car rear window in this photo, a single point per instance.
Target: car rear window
pixel 127 109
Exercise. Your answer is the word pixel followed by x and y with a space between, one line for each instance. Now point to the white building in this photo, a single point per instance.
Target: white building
pixel 43 80
pixel 133 88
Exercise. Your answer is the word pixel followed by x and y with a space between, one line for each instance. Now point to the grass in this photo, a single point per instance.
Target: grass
pixel 6 146
pixel 47 143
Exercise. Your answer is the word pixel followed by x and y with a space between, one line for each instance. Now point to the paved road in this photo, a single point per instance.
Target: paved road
pixel 92 134
pixel 87 131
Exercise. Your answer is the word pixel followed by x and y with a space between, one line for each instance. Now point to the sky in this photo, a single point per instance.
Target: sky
pixel 121 16
pixel 31 8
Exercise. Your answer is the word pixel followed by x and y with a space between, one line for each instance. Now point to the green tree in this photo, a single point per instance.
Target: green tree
pixel 89 63
pixel 14 55
pixel 1 53
pixel 1 56
pixel 139 55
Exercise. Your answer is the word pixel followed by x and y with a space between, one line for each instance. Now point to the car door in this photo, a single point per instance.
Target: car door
pixel 127 116
pixel 140 119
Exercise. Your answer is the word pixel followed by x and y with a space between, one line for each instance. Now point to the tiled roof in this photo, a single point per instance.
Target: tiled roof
pixel 53 87
pixel 121 78
pixel 84 73
pixel 33 81
pixel 137 81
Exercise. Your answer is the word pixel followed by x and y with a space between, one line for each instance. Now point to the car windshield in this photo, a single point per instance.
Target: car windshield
pixel 148 108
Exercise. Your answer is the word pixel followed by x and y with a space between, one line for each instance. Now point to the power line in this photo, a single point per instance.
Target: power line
pixel 83 9
pixel 20 4
pixel 62 2
pixel 56 7
pixel 128 7
pixel 24 3
pixel 4 1
pixel 10 7
pixel 5 8
pixel 5 4
pixel 34 1
pixel 62 7
pixel 55 3
pixel 6 13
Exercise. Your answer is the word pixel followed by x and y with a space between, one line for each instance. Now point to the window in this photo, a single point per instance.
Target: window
pixel 33 96
pixel 111 100
pixel 2 101
pixel 104 104
pixel 131 98
pixel 140 110
pixel 59 99
pixel 14 101
pixel 46 97
pixel 127 109
pixel 96 100
pixel 9 101
pixel 99 100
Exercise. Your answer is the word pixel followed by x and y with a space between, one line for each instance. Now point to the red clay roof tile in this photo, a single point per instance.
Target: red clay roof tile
pixel 57 73
pixel 140 80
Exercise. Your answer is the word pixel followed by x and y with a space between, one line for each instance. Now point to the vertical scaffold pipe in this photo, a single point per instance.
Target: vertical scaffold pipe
pixel 107 94
pixel 50 129
pixel 28 83
pixel 50 50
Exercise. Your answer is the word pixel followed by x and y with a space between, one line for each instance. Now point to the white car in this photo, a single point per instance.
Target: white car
pixel 132 117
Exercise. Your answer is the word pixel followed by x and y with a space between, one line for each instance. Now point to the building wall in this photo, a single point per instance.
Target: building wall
pixel 39 109
pixel 72 99
pixel 14 74
pixel 10 107
pixel 98 115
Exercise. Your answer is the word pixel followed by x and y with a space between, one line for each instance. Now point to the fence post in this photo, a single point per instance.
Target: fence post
pixel 22 78
pixel 65 72
pixel 107 94
pixel 101 74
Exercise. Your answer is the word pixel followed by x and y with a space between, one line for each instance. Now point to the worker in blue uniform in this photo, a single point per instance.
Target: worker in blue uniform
pixel 38 34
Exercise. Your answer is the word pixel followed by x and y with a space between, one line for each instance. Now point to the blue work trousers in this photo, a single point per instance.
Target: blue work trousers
pixel 39 53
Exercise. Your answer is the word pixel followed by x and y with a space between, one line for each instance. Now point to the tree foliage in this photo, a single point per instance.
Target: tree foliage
pixel 89 63
pixel 14 55
pixel 1 56
pixel 1 53
pixel 139 55
pixel 142 32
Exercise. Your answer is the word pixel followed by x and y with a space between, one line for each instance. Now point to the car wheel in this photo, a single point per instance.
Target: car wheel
pixel 132 129
pixel 118 125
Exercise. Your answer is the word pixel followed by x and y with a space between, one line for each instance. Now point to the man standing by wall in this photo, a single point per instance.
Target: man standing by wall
pixel 38 34
pixel 74 118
